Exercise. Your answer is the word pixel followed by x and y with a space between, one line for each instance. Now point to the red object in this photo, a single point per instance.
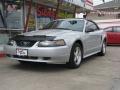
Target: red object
pixel 2 55
pixel 41 11
pixel 113 36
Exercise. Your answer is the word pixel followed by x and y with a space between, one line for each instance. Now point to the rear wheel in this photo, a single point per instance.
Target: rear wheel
pixel 75 56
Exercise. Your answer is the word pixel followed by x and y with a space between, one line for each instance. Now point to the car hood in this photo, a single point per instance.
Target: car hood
pixel 55 32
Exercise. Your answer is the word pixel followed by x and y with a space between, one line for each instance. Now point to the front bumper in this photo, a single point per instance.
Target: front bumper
pixel 40 54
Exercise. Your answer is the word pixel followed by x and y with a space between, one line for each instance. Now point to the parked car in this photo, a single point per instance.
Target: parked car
pixel 65 41
pixel 113 35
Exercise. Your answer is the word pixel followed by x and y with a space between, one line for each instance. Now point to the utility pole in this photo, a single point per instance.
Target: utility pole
pixel 28 15
pixel 59 2
pixel 24 16
pixel 3 14
pixel 75 11
pixel 103 1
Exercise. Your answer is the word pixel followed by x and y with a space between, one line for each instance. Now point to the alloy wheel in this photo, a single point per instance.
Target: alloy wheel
pixel 77 55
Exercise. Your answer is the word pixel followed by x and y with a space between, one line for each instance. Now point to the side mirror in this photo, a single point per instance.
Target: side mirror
pixel 89 30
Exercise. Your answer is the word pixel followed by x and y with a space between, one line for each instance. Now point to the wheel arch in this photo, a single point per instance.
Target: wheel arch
pixel 81 44
pixel 105 40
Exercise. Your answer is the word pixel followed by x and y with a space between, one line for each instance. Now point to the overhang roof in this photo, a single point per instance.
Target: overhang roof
pixel 53 3
pixel 107 5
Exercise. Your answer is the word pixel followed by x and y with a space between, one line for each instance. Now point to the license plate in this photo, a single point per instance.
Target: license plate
pixel 22 52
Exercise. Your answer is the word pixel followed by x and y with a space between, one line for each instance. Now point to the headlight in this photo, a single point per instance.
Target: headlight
pixel 54 43
pixel 11 42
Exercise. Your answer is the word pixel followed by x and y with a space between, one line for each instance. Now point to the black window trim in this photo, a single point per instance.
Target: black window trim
pixel 95 24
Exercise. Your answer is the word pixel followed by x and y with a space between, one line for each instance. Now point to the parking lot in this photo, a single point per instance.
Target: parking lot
pixel 95 73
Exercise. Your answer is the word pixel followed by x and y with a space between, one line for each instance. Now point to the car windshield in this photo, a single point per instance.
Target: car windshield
pixel 75 25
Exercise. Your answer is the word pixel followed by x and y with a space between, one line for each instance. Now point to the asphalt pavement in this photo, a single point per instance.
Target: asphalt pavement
pixel 95 73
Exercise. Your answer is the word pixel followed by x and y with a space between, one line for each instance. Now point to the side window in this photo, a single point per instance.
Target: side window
pixel 77 25
pixel 91 26
pixel 116 29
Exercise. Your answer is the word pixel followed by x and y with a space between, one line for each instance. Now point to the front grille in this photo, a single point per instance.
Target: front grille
pixel 25 57
pixel 25 43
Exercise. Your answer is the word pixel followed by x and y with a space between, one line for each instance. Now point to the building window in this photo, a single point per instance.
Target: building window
pixel 118 16
pixel 32 17
pixel 14 16
pixel 44 16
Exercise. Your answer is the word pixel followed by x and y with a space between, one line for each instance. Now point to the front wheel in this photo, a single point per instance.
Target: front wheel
pixel 103 49
pixel 75 56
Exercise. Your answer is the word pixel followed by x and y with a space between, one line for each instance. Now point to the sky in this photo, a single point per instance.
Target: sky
pixel 97 2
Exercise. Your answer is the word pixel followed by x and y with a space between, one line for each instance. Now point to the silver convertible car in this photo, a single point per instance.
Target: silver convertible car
pixel 63 41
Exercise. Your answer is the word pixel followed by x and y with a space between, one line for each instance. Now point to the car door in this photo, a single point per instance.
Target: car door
pixel 113 35
pixel 110 35
pixel 117 35
pixel 93 37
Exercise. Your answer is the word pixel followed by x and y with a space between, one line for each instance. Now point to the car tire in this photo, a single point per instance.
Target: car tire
pixel 103 49
pixel 76 56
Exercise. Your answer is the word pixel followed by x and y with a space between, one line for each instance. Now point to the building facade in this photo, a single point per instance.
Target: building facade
pixel 18 16
pixel 107 10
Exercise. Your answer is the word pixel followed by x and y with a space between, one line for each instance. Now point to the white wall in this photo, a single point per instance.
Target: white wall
pixel 108 23
pixel 96 17
pixel 1 48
